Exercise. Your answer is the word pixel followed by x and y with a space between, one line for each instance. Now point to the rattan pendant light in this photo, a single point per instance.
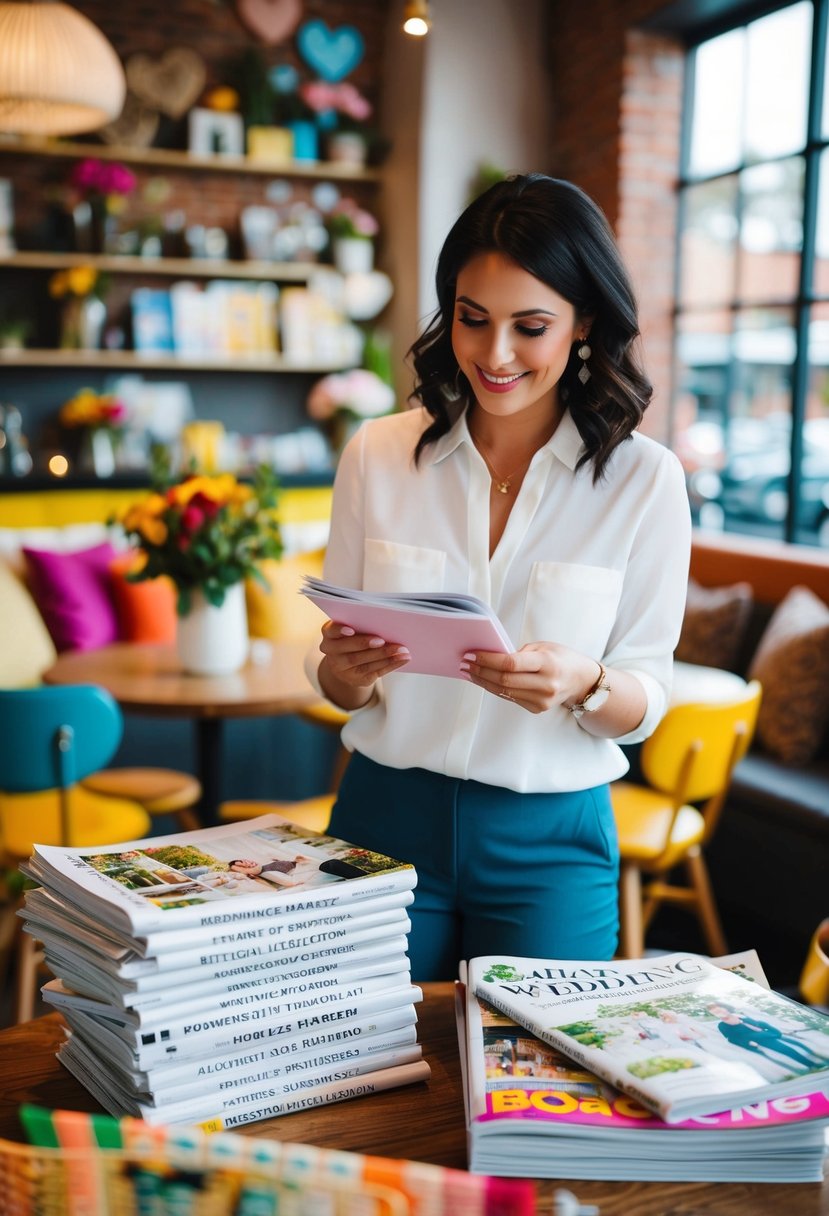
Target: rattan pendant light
pixel 58 73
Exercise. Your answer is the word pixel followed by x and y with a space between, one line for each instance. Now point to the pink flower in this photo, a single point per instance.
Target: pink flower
pixel 192 518
pixel 352 103
pixel 91 176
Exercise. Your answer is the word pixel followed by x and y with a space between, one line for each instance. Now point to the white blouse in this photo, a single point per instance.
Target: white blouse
pixel 600 568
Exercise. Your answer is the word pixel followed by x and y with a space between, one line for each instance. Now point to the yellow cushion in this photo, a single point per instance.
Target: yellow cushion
pixel 26 649
pixel 643 818
pixel 326 714
pixel 281 614
pixel 311 813
pixel 29 819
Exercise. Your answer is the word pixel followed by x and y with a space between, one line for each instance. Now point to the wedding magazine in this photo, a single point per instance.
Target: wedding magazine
pixel 255 873
pixel 532 1111
pixel 682 1036
pixel 437 628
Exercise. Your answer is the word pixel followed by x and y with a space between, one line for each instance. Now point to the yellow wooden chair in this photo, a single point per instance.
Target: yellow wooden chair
pixel 311 813
pixel 51 739
pixel 688 760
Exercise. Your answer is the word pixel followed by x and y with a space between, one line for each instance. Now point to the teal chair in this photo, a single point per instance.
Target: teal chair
pixel 51 738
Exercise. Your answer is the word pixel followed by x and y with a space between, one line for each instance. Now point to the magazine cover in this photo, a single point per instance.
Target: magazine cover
pixel 676 1032
pixel 533 1111
pixel 220 876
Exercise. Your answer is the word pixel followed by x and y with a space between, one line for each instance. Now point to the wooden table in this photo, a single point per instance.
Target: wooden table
pixel 424 1122
pixel 149 680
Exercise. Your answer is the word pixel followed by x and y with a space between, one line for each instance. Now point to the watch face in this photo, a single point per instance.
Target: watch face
pixel 596 700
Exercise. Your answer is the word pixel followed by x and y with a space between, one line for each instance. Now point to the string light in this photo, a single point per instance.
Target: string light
pixel 416 18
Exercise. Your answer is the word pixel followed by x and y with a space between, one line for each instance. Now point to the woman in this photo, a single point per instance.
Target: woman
pixel 521 481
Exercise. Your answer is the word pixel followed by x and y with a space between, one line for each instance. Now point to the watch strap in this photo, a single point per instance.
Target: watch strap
pixel 583 706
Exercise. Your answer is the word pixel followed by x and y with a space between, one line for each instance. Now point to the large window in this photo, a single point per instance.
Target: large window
pixel 751 418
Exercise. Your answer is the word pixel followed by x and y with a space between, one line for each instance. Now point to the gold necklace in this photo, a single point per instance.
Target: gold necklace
pixel 502 484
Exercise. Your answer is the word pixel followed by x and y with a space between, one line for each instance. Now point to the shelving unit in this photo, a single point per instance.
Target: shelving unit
pixel 134 360
pixel 166 158
pixel 190 268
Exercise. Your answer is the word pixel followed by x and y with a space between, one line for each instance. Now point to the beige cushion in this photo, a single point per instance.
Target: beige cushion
pixel 714 624
pixel 26 649
pixel 792 664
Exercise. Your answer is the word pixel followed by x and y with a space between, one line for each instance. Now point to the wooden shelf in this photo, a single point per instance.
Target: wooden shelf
pixel 190 268
pixel 136 361
pixel 166 158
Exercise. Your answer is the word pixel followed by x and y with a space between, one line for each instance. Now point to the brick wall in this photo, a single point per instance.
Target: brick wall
pixel 618 94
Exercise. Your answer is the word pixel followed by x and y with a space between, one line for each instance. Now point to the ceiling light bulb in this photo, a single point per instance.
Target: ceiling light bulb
pixel 416 18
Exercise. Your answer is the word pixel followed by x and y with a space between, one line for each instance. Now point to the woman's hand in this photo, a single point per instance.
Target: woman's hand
pixel 542 675
pixel 536 677
pixel 353 662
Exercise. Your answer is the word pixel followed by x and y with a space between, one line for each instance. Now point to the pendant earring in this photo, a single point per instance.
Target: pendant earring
pixel 456 384
pixel 584 352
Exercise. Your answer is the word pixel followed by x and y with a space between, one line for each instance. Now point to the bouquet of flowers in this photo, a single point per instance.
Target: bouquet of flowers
pixel 205 533
pixel 358 394
pixel 107 182
pixel 348 219
pixel 79 281
pixel 93 410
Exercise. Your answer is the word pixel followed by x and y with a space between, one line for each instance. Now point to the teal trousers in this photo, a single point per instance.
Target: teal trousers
pixel 498 872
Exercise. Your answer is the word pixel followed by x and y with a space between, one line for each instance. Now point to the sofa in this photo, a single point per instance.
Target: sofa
pixel 760 608
pixel 266 757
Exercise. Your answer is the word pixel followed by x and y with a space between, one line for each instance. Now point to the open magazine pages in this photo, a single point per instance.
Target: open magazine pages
pixel 259 871
pixel 531 1111
pixel 436 627
pixel 679 1034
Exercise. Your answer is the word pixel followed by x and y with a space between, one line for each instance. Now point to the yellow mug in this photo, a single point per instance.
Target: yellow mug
pixel 814 979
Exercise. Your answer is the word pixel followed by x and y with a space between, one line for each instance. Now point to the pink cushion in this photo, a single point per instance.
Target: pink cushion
pixel 74 595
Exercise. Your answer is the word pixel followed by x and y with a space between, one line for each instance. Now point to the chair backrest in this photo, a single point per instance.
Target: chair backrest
pixel 718 735
pixel 52 737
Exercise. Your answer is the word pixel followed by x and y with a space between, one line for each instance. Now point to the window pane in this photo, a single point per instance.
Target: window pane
pixel 754 494
pixel 820 272
pixel 708 244
pixel 703 353
pixel 716 122
pixel 777 82
pixel 771 232
pixel 813 508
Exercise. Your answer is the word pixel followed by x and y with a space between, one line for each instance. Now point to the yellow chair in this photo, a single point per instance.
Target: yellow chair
pixel 688 759
pixel 311 813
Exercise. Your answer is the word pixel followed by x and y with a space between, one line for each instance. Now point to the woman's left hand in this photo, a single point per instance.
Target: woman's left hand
pixel 536 677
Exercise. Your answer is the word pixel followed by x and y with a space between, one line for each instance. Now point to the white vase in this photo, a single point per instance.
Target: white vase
pixel 354 255
pixel 214 641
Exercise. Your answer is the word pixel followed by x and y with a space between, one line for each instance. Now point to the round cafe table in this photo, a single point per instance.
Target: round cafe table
pixel 149 680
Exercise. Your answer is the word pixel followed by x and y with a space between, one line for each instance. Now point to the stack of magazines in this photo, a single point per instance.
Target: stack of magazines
pixel 231 974
pixel 674 1068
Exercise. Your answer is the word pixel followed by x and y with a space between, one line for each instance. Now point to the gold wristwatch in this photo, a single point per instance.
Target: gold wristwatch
pixel 596 697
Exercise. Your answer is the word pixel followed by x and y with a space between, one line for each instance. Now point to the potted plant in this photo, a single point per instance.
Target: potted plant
pixel 82 289
pixel 351 231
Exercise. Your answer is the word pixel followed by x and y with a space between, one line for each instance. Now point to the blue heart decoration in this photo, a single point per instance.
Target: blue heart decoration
pixel 331 53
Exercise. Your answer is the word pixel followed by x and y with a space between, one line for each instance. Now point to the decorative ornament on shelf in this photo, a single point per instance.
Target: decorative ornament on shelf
pixel 271 21
pixel 332 54
pixel 351 230
pixel 170 83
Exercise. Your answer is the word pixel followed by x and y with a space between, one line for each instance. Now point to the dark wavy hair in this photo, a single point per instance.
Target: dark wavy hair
pixel 555 232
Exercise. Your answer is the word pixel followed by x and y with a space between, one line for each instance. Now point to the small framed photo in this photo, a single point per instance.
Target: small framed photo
pixel 215 133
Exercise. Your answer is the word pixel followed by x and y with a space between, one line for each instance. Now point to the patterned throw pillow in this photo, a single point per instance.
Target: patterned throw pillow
pixel 792 664
pixel 714 624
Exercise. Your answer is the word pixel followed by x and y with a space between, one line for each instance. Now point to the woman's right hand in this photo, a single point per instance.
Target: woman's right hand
pixel 353 662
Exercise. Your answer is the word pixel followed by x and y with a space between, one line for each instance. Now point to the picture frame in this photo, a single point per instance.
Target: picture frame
pixel 215 133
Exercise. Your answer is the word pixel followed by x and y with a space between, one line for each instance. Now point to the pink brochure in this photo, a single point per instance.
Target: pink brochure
pixel 437 629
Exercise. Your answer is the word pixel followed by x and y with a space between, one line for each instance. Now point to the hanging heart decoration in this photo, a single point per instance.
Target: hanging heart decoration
pixel 171 83
pixel 271 21
pixel 331 53
pixel 135 126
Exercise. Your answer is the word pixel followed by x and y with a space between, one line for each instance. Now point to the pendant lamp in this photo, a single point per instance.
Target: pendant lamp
pixel 58 73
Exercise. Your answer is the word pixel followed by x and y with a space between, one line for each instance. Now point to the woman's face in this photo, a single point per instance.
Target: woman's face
pixel 512 335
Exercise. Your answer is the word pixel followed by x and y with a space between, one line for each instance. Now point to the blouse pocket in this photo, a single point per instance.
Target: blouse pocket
pixel 572 605
pixel 389 566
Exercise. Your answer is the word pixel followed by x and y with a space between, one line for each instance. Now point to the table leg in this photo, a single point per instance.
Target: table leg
pixel 209 767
